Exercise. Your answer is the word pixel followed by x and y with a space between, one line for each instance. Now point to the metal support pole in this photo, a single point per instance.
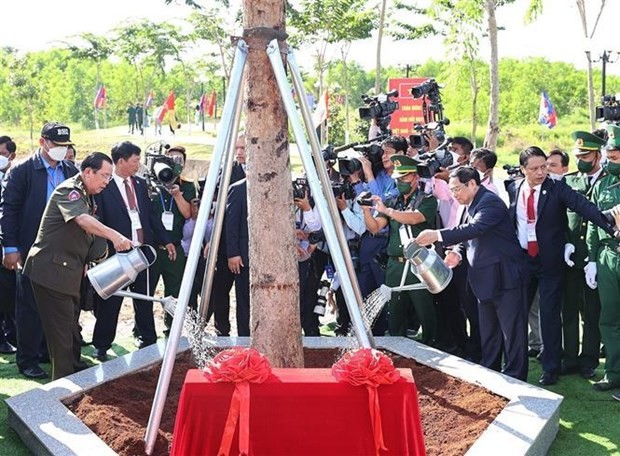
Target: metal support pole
pixel 202 107
pixel 195 249
pixel 331 224
pixel 218 219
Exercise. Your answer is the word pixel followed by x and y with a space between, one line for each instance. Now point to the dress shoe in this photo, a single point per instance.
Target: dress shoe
pixel 605 385
pixel 533 352
pixel 100 355
pixel 79 367
pixel 6 348
pixel 548 378
pixel 84 343
pixel 33 372
pixel 616 396
pixel 587 372
pixel 568 370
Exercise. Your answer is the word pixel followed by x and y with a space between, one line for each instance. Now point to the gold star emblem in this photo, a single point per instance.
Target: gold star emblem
pixel 397 163
pixel 579 142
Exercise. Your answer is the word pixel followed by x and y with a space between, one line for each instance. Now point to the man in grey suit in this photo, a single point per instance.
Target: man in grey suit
pixel 496 271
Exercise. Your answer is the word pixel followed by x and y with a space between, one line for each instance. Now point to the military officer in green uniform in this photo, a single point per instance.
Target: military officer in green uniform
pixel 173 206
pixel 69 237
pixel 407 215
pixel 603 269
pixel 580 299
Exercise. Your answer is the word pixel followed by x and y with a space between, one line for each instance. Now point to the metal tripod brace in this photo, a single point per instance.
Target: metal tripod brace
pixel 223 154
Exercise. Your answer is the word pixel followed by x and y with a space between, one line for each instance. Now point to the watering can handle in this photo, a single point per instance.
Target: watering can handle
pixel 153 251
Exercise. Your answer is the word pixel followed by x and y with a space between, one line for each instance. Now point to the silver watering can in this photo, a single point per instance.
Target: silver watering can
pixel 428 266
pixel 119 271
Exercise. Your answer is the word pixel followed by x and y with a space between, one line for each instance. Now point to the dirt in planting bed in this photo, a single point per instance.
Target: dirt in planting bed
pixel 454 413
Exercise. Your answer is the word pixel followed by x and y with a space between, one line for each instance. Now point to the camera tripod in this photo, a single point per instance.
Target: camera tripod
pixel 223 156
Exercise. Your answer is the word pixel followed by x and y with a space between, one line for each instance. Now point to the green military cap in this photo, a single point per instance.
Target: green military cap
pixel 613 137
pixel 403 165
pixel 586 142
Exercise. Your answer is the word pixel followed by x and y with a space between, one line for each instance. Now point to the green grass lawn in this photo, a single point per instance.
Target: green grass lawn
pixel 589 420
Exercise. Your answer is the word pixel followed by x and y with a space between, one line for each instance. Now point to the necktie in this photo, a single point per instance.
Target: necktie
pixel 532 246
pixel 133 206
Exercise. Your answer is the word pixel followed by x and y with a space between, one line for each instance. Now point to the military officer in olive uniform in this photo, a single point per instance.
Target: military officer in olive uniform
pixel 579 298
pixel 412 211
pixel 69 237
pixel 603 269
pixel 173 206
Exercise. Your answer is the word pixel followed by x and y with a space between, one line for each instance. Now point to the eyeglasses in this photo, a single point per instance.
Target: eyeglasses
pixel 458 188
pixel 106 177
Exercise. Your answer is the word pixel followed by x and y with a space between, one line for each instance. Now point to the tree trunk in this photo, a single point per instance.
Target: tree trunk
pixel 490 141
pixel 345 53
pixel 473 81
pixel 379 40
pixel 274 277
pixel 591 104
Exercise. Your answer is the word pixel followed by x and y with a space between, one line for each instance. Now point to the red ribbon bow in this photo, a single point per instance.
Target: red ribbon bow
pixel 240 366
pixel 370 368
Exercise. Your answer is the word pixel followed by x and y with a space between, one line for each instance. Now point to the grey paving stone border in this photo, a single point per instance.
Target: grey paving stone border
pixel 527 426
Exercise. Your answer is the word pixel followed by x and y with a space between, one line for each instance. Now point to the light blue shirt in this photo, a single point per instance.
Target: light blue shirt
pixel 54 176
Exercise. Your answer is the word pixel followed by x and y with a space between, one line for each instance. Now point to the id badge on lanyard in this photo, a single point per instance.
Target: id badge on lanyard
pixel 134 216
pixel 167 219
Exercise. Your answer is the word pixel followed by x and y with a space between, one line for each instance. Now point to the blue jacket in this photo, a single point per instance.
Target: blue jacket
pixel 490 243
pixel 552 222
pixel 23 201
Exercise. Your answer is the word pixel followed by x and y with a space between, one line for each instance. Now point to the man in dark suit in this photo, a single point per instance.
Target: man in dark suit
pixel 496 272
pixel 125 206
pixel 538 208
pixel 28 187
pixel 238 169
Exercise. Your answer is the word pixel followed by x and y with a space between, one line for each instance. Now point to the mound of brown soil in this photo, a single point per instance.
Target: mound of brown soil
pixel 454 413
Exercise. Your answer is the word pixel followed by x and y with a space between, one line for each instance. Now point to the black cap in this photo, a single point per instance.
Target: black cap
pixel 57 133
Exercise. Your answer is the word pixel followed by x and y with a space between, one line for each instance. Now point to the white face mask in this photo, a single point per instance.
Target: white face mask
pixel 57 153
pixel 4 162
pixel 555 177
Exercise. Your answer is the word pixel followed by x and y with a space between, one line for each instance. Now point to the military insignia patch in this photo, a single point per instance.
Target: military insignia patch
pixel 74 195
pixel 397 163
pixel 611 134
pixel 579 142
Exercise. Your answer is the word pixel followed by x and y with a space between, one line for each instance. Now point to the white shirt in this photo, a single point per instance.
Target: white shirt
pixel 524 194
pixel 121 188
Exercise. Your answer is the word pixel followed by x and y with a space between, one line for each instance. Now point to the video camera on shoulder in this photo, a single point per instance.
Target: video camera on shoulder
pixel 380 108
pixel 163 171
pixel 609 111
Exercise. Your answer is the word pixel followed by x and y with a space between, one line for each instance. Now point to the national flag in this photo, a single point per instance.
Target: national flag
pixel 167 106
pixel 211 107
pixel 203 102
pixel 100 97
pixel 149 99
pixel 321 111
pixel 546 113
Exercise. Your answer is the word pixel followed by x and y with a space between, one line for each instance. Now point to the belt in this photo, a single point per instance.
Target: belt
pixel 399 259
pixel 611 244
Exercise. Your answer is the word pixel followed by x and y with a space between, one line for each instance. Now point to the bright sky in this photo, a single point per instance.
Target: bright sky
pixel 557 35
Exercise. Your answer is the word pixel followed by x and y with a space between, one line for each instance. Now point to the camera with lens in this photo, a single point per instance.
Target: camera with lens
pixel 365 199
pixel 300 188
pixel 429 163
pixel 418 140
pixel 161 170
pixel 316 236
pixel 432 111
pixel 373 153
pixel 514 172
pixel 610 111
pixel 380 108
pixel 321 300
pixel 343 188
pixel 329 154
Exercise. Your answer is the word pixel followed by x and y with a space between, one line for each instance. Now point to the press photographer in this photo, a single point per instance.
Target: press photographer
pixel 610 110
pixel 172 203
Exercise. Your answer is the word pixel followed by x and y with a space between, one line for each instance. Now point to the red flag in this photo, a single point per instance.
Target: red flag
pixel 211 108
pixel 322 110
pixel 168 106
pixel 100 98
